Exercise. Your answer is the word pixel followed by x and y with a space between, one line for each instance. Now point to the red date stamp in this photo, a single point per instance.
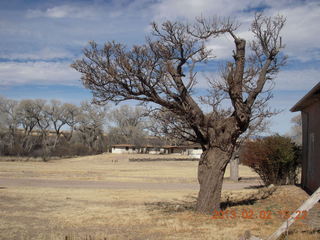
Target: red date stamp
pixel 263 214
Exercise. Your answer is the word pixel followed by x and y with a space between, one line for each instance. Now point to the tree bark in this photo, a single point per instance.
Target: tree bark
pixel 212 166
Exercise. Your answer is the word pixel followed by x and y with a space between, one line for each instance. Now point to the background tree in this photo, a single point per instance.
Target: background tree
pixel 38 111
pixel 296 130
pixel 28 123
pixel 91 120
pixel 127 125
pixel 33 128
pixel 26 118
pixel 57 117
pixel 162 71
pixel 71 113
pixel 166 125
pixel 9 121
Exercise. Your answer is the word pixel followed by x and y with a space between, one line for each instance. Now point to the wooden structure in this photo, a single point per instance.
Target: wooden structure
pixel 306 206
pixel 309 106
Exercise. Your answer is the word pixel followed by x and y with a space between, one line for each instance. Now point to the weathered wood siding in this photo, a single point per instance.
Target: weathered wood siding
pixel 311 147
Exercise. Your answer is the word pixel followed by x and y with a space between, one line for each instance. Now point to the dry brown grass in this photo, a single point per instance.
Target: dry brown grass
pixel 54 213
pixel 110 167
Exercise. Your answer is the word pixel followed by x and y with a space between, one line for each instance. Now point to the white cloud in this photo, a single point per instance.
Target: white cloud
pixel 303 79
pixel 301 33
pixel 43 54
pixel 175 9
pixel 289 80
pixel 221 48
pixel 71 25
pixel 14 73
pixel 63 11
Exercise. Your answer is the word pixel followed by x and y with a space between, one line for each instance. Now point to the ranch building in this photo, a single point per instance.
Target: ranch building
pixel 309 106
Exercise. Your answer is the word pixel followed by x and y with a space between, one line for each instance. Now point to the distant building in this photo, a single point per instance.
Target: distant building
pixel 152 149
pixel 194 151
pixel 124 148
pixel 309 106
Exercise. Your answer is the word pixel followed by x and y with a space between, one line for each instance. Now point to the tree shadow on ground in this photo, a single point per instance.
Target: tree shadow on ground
pixel 229 200
pixel 255 187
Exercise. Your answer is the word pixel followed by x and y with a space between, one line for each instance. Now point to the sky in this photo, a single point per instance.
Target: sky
pixel 39 39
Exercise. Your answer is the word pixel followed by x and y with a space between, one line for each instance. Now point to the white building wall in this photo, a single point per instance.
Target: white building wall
pixel 124 150
pixel 117 150
pixel 195 153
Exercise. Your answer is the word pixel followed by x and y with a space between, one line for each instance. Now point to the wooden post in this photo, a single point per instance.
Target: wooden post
pixel 234 166
pixel 306 206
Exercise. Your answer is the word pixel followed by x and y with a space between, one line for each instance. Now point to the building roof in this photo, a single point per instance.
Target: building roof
pixel 170 146
pixel 189 146
pixel 312 96
pixel 123 145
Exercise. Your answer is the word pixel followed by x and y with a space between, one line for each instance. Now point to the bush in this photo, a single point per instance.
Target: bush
pixel 274 158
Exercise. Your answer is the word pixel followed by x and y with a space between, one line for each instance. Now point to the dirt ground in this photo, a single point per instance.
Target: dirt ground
pixel 108 197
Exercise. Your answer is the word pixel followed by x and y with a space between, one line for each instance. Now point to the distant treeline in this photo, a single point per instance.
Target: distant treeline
pixel 40 128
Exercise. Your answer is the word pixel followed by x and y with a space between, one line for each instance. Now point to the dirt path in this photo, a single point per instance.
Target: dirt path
pixel 31 182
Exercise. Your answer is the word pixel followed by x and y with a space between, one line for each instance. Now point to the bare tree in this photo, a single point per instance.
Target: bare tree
pixel 296 130
pixel 91 120
pixel 62 114
pixel 26 119
pixel 70 112
pixel 162 71
pixel 9 120
pixel 27 122
pixel 57 117
pixel 127 125
pixel 42 117
pixel 171 128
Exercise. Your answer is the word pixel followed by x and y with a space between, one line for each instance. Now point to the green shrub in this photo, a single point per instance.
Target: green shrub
pixel 274 158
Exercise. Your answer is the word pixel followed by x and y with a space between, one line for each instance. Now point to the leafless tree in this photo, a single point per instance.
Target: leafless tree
pixel 62 114
pixel 127 125
pixel 28 114
pixel 26 119
pixel 162 71
pixel 296 130
pixel 40 114
pixel 56 115
pixel 27 122
pixel 9 120
pixel 91 120
pixel 71 113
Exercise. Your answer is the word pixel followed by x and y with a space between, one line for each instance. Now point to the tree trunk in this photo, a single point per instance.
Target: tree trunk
pixel 56 140
pixel 212 166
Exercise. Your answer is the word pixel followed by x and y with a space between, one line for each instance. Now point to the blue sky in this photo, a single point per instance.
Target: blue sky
pixel 40 38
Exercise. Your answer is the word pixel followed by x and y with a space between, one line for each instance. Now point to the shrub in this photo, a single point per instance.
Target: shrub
pixel 274 158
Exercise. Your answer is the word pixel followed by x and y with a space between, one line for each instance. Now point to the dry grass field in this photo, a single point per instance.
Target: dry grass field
pixel 140 211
